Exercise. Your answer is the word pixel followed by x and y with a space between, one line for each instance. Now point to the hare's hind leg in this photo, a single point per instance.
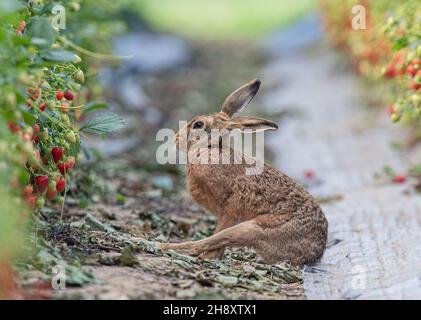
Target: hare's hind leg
pixel 243 234
pixel 223 223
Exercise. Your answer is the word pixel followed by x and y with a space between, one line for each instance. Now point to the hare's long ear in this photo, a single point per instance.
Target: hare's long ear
pixel 240 98
pixel 250 124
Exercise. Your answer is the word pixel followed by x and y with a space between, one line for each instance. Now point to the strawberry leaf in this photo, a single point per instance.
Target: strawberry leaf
pixel 104 124
pixel 91 106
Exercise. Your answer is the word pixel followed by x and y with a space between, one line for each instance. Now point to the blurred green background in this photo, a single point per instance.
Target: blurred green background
pixel 220 19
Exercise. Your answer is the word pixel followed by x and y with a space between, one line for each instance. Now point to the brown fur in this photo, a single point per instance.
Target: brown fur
pixel 269 212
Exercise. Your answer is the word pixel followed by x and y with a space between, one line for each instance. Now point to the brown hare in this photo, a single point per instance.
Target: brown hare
pixel 269 212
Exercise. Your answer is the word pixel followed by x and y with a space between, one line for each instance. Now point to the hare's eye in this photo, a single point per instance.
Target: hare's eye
pixel 198 125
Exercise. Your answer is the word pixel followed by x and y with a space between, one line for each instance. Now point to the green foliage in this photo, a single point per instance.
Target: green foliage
pixel 104 124
pixel 221 19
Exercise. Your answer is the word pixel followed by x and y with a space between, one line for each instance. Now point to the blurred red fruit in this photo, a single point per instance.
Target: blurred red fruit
pixel 59 95
pixel 32 200
pixel 392 109
pixel 22 26
pixel 57 153
pixel 42 183
pixel 13 126
pixel 399 178
pixel 415 86
pixel 51 194
pixel 63 167
pixel 61 185
pixel 28 190
pixel 69 95
pixel 390 72
pixel 37 129
pixel 309 174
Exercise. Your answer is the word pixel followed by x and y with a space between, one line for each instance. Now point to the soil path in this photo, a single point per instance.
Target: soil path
pixel 374 247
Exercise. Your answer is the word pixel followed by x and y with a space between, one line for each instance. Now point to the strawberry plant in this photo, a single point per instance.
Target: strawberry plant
pixel 41 97
pixel 45 107
pixel 387 51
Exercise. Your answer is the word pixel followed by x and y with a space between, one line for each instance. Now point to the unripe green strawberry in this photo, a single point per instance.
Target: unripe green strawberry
pixel 33 161
pixel 26 149
pixel 395 117
pixel 45 85
pixel 416 99
pixel 43 135
pixel 51 105
pixel 65 118
pixel 77 59
pixel 80 76
pixel 52 185
pixel 10 99
pixel 75 6
pixel 40 202
pixel 71 137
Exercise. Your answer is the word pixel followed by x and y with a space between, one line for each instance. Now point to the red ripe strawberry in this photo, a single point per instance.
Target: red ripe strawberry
pixel 28 190
pixel 392 109
pixel 32 200
pixel 57 153
pixel 61 185
pixel 43 106
pixel 414 67
pixel 37 129
pixel 411 70
pixel 69 95
pixel 60 166
pixel 399 178
pixel 390 72
pixel 63 167
pixel 59 95
pixel 51 194
pixel 22 26
pixel 42 183
pixel 415 86
pixel 13 126
pixel 309 174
